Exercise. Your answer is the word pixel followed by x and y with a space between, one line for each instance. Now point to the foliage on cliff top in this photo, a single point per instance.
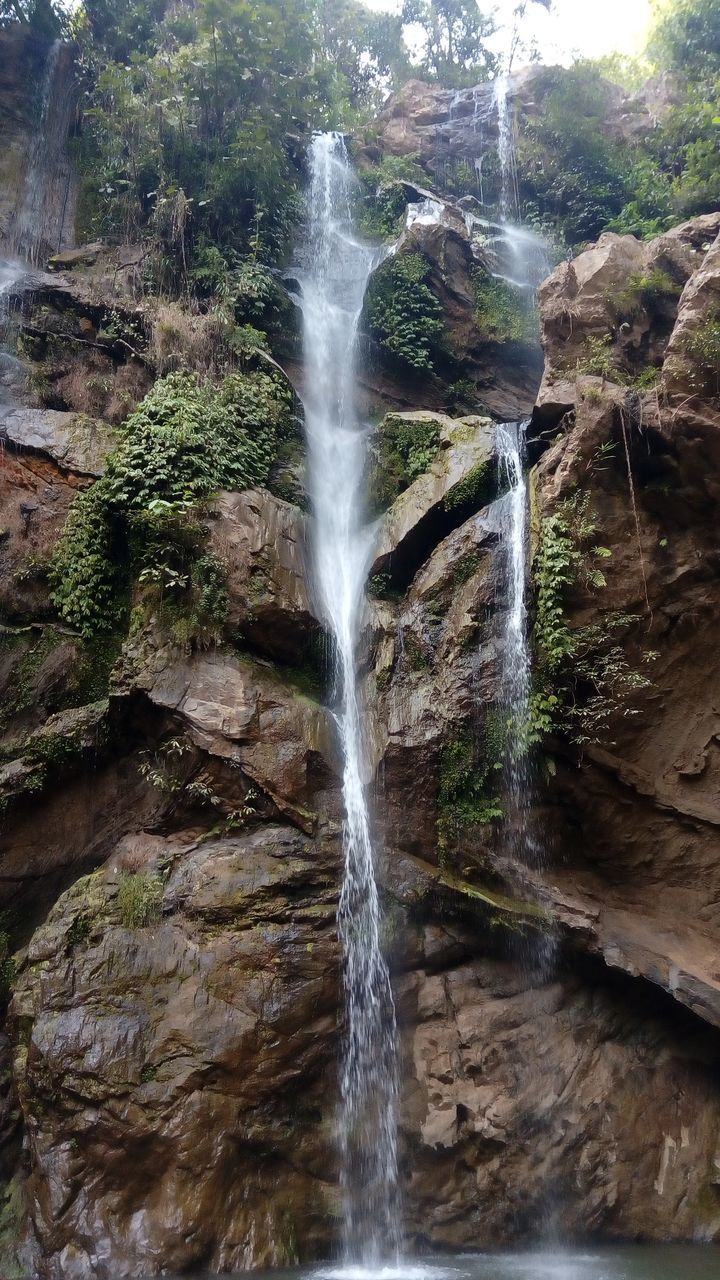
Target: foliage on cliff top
pixel 586 178
pixel 194 115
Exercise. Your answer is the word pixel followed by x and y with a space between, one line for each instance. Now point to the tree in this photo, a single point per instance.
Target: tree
pixel 43 16
pixel 685 38
pixel 195 114
pixel 454 36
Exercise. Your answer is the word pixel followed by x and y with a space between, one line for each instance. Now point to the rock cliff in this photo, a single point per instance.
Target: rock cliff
pixel 171 815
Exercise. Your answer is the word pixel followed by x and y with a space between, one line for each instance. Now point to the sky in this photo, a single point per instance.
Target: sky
pixel 583 27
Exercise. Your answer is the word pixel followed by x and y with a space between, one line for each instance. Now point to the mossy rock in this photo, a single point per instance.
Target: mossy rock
pixel 404 447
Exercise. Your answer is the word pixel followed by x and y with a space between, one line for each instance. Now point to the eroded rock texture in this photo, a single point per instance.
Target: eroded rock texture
pixel 171 848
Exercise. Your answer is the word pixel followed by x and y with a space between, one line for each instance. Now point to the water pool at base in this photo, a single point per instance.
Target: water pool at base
pixel 630 1262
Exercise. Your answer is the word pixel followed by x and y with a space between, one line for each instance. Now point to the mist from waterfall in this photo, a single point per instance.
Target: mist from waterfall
pixel 333 275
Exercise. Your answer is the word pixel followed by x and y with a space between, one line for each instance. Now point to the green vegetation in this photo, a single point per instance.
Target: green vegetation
pixel 703 346
pixel 20 695
pixel 187 438
pixel 405 448
pixel 598 359
pixel 583 675
pixel 466 796
pixel 189 111
pixel 580 177
pixel 45 19
pixel 501 312
pixel 78 932
pixel 402 312
pixel 416 654
pixel 473 491
pixel 381 208
pixel 139 899
pixel 465 568
pixel 570 170
pixel 7 966
pixel 644 291
pixel 454 35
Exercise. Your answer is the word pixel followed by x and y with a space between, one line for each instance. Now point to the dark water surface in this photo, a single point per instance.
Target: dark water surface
pixel 631 1262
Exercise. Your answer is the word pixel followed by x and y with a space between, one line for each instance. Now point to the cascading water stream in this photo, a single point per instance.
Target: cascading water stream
pixel 514 691
pixel 333 277
pixel 37 225
pixel 509 194
pixel 520 849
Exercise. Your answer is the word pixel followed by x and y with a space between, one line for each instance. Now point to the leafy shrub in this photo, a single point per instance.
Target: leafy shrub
pixel 380 211
pixel 644 291
pixel 7 965
pixel 403 314
pixel 187 439
pixel 86 573
pixel 501 311
pixel 703 346
pixel 472 491
pixel 598 358
pixel 704 343
pixel 570 170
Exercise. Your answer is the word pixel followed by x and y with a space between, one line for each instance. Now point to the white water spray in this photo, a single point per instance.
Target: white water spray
pixel 509 192
pixel 36 226
pixel 515 677
pixel 521 849
pixel 333 279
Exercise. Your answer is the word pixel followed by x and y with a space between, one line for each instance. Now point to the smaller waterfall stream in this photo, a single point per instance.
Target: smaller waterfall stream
pixel 333 279
pixel 520 849
pixel 515 678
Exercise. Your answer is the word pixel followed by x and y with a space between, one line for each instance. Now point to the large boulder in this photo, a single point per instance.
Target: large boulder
pixel 74 442
pixel 616 310
pixel 458 480
pixel 178 1007
pixel 693 355
pixel 262 540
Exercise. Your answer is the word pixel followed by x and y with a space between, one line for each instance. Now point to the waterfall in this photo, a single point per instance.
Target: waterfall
pixel 38 223
pixel 515 676
pixel 509 194
pixel 519 846
pixel 333 278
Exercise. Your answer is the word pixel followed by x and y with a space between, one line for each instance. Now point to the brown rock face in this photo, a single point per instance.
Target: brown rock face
pixel 212 1030
pixel 263 542
pixel 616 306
pixel 35 496
pixel 172 851
pixel 534 1102
pixel 505 367
pixel 642 805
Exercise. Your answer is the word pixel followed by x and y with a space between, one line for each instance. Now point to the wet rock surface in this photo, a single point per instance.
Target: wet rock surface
pixel 212 1030
pixel 529 1104
pixel 173 849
